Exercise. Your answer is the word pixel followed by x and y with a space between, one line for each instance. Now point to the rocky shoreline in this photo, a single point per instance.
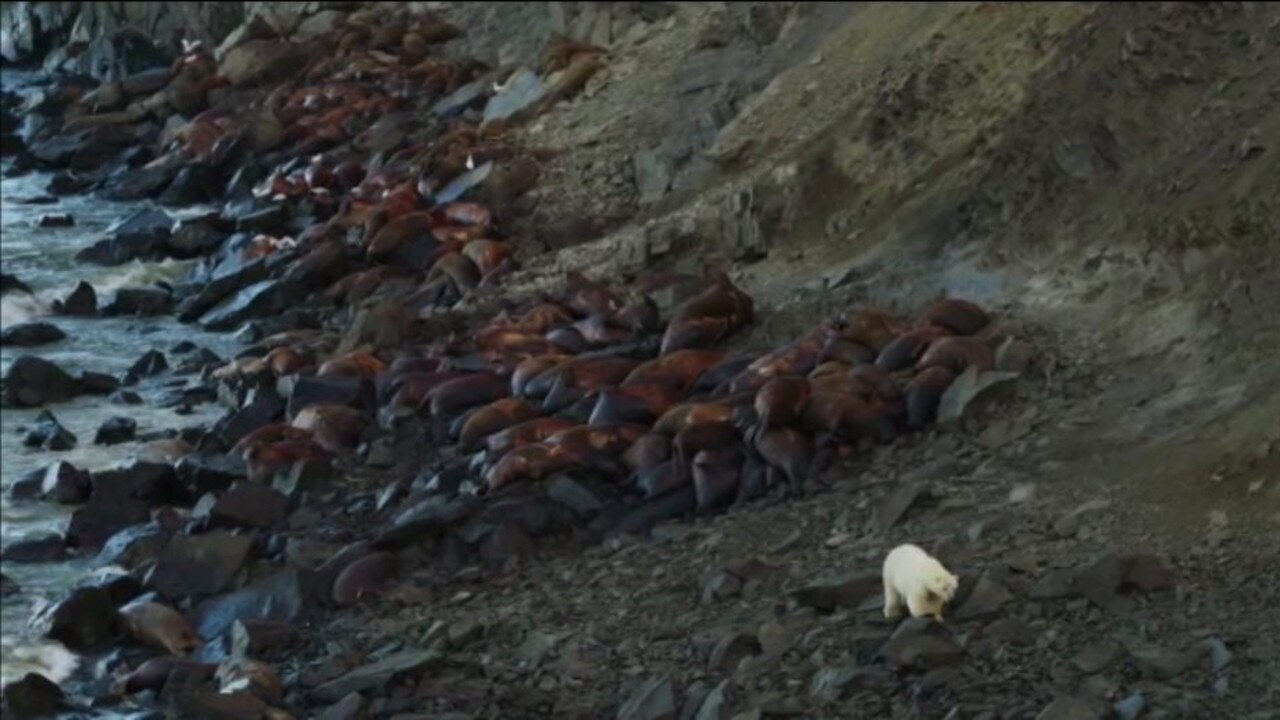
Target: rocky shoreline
pixel 412 420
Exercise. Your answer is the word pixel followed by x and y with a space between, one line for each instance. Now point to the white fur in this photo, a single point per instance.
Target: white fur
pixel 914 576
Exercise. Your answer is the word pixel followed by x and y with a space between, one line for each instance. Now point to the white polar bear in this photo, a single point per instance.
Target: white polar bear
pixel 911 574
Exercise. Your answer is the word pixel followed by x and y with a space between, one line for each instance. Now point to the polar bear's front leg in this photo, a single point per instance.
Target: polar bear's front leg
pixel 892 602
pixel 922 603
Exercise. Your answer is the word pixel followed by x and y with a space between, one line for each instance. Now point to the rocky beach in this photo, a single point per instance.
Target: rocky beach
pixel 581 360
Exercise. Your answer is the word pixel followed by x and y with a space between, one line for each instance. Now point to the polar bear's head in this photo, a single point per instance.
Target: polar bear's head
pixel 941 584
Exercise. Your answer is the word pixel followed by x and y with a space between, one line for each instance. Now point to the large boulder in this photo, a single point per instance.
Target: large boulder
pixel 150 482
pixel 85 620
pixel 31 334
pixel 82 302
pixel 94 523
pixel 11 283
pixel 139 301
pixel 199 565
pixel 267 297
pixel 141 236
pixel 33 381
pixel 48 434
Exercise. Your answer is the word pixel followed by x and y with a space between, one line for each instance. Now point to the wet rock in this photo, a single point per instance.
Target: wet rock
pixel 375 676
pixel 32 382
pixel 922 644
pixel 139 302
pixel 827 596
pixel 48 434
pixel 199 565
pixel 281 597
pixel 655 699
pixel 895 508
pixel 46 548
pixel 1067 708
pixel 352 392
pixel 116 430
pixel 27 487
pixel 93 524
pixel 653 172
pixel 135 546
pixel 33 696
pixel 65 484
pixel 93 383
pixel 833 683
pixel 199 361
pixel 85 620
pixel 986 599
pixel 249 505
pixel 194 237
pixel 972 391
pixel 1159 663
pixel 257 300
pixel 467 97
pixel 150 482
pixel 8 586
pixel 209 473
pixel 1014 356
pixel 11 283
pixel 194 183
pixel 130 183
pixel 575 495
pixel 721 586
pixel 82 302
pixel 55 220
pixel 140 236
pixel 151 363
pixel 265 408
pixel 31 334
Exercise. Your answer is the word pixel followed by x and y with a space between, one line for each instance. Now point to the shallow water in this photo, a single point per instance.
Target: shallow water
pixel 43 258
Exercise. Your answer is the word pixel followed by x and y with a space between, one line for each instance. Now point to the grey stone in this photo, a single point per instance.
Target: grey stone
pixel 831 595
pixel 199 565
pixel 653 700
pixel 32 382
pixel 375 676
pixel 922 644
pixel 895 508
pixel 971 391
pixel 116 430
pixel 31 334
pixel 984 600
pixel 49 547
pixel 1098 656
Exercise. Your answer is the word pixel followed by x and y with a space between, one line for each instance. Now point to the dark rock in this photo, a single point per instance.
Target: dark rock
pixel 984 600
pixel 198 361
pixel 655 699
pixel 11 283
pixel 255 638
pixel 507 545
pixel 32 382
pixel 135 546
pixel 150 482
pixel 82 302
pixel 196 702
pixel 1098 657
pixel 210 473
pixel 352 392
pixel 34 696
pixel 266 408
pixel 351 707
pixel 575 495
pixel 1054 584
pixel 8 586
pixel 896 506
pixel 429 518
pixel 195 183
pixel 199 565
pixel 116 430
pixel 833 683
pixel 832 595
pixel 139 302
pixel 151 363
pixel 922 644
pixel 714 706
pixel 31 334
pixel 55 220
pixel 125 397
pixel 249 505
pixel 140 236
pixel 305 478
pixel 262 61
pixel 281 597
pixel 46 548
pixel 1147 573
pixel 49 434
pixel 257 300
pixel 271 220
pixel 85 620
pixel 28 487
pixel 375 676
pixel 65 484
pixel 222 283
pixel 94 383
pixel 130 183
pixel 1012 631
pixel 1067 708
pixel 93 524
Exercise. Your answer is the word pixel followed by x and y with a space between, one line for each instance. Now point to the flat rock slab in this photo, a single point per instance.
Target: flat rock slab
pixel 376 675
pixel 199 565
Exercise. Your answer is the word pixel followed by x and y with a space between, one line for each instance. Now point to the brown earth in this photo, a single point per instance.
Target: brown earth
pixel 1106 177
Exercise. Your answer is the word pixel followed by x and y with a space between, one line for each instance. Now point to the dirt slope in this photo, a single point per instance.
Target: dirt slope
pixel 1108 178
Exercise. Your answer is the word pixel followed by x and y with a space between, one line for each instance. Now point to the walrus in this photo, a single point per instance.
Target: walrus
pixel 451 397
pixel 158 626
pixel 394 234
pixel 589 297
pixel 486 254
pixel 609 439
pixel 583 374
pixel 924 392
pixel 530 462
pixel 903 351
pixel 640 315
pixel 353 364
pixel 716 474
pixel 846 351
pixel 530 368
pixel 679 369
pixel 634 403
pixel 243 674
pixel 597 331
pixel 494 417
pixel 263 461
pixel 959 316
pixel 568 339
pixel 708 317
pixel 365 576
pixel 458 268
pixel 789 451
pixel 871 327
pixel 702 436
pixel 682 416
pixel 780 402
pixel 336 428
pixel 411 389
pixel 271 433
pixel 154 673
pixel 956 354
pixel 659 479
pixel 647 451
pixel 530 431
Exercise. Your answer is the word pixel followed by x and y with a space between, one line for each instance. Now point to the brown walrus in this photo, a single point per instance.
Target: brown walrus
pixel 716 474
pixel 611 439
pixel 336 428
pixel 394 234
pixel 494 417
pixel 679 369
pixel 530 368
pixel 708 317
pixel 263 461
pixel 959 316
pixel 787 450
pixel 530 462
pixel 353 364
pixel 451 397
pixel 647 451
pixel 780 402
pixel 903 351
pixel 682 416
pixel 924 392
pixel 530 431
pixel 365 576
pixel 158 626
pixel 589 297
pixel 956 354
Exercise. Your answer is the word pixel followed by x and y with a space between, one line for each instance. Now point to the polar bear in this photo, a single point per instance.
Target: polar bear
pixel 911 574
